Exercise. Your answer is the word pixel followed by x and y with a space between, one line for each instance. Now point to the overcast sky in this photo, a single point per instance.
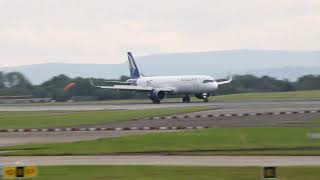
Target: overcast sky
pixel 102 31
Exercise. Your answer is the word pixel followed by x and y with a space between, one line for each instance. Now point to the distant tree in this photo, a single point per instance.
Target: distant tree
pixel 250 83
pixel 54 88
pixel 83 87
pixel 15 91
pixel 2 80
pixel 57 81
pixel 269 84
pixel 16 79
pixel 40 92
pixel 308 82
pixel 124 78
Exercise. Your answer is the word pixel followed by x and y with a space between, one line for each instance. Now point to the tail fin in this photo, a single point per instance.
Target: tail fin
pixel 134 71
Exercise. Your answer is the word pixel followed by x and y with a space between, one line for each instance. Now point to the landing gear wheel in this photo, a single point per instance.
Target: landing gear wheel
pixel 206 100
pixel 186 99
pixel 156 101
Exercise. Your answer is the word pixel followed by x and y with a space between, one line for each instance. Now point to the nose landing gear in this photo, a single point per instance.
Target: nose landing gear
pixel 205 97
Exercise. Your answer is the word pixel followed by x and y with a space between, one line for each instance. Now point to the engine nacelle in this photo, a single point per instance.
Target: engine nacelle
pixel 157 95
pixel 203 95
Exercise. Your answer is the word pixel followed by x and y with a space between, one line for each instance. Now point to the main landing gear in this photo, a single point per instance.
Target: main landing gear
pixel 156 101
pixel 186 99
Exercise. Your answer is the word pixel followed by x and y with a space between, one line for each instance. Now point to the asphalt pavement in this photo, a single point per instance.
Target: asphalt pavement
pixel 164 160
pixel 108 106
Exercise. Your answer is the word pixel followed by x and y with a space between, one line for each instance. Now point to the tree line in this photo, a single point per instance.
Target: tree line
pixel 253 84
pixel 16 84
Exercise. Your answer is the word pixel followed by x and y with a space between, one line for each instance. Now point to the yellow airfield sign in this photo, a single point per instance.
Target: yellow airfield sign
pixel 19 172
pixel 9 172
pixel 30 171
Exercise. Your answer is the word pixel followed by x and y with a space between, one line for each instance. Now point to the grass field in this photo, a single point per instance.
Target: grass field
pixel 240 141
pixel 51 119
pixel 171 173
pixel 312 122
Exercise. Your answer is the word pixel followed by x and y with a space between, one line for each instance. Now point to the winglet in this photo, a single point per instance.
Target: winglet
pixel 91 82
pixel 225 82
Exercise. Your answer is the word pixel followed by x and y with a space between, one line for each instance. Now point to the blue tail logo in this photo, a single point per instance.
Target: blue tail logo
pixel 134 71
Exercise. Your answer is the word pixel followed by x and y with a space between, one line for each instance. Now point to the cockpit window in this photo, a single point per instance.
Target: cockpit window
pixel 207 81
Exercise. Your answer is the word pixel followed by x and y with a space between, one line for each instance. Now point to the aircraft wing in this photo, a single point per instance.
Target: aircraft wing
pixel 225 82
pixel 130 87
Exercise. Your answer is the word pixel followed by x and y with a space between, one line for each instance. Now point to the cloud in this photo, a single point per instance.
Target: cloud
pixel 98 31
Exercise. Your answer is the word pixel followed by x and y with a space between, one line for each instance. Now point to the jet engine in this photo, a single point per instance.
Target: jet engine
pixel 203 95
pixel 157 95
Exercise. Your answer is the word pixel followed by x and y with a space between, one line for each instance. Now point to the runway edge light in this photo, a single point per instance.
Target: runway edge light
pixel 269 173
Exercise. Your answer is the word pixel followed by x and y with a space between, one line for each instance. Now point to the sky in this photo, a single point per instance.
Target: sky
pixel 102 31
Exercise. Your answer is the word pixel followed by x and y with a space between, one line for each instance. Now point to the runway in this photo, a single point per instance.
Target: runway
pixel 168 124
pixel 220 118
pixel 95 107
pixel 225 115
pixel 163 160
pixel 106 106
pixel 21 138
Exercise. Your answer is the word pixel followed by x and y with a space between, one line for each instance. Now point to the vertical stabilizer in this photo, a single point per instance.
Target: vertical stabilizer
pixel 134 71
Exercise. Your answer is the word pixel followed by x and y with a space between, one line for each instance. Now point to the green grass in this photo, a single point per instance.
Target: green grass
pixel 279 141
pixel 311 122
pixel 171 173
pixel 274 95
pixel 51 119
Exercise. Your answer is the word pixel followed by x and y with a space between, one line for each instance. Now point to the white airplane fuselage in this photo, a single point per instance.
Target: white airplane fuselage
pixel 158 87
pixel 192 84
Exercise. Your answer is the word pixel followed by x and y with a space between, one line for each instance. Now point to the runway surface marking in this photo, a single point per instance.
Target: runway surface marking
pixel 165 160
pixel 180 127
pixel 203 114
pixel 89 129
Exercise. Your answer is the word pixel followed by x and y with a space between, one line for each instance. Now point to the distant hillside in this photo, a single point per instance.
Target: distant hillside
pixel 39 73
pixel 280 64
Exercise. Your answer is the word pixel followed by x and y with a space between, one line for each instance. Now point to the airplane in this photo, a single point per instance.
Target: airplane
pixel 158 87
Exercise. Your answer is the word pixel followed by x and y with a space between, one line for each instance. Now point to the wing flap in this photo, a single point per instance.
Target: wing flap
pixel 118 82
pixel 134 88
